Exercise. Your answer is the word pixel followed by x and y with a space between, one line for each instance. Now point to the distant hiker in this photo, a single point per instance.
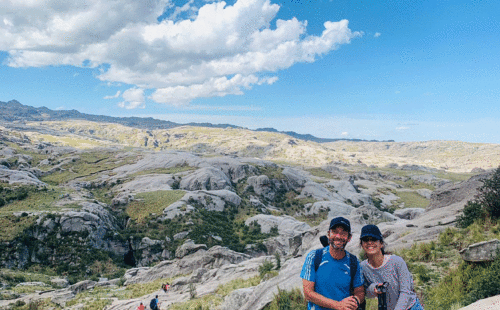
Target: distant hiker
pixel 141 307
pixel 331 276
pixel 382 268
pixel 165 287
pixel 154 303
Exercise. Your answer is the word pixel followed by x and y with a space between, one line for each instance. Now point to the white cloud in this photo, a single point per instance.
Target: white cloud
pixel 114 96
pixel 133 98
pixel 402 128
pixel 377 34
pixel 217 50
pixel 60 108
pixel 344 133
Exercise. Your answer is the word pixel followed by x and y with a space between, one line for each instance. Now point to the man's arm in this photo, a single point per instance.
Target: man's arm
pixel 359 293
pixel 346 304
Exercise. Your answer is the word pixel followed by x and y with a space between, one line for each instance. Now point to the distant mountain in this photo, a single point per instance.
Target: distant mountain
pixel 15 111
pixel 308 137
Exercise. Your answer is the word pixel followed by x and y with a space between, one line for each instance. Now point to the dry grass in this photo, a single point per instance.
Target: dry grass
pixel 152 203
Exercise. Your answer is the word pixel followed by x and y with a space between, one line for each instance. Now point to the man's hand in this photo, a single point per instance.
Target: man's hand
pixel 348 303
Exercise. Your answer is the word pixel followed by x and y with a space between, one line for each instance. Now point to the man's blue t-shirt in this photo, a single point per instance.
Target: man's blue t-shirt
pixel 333 277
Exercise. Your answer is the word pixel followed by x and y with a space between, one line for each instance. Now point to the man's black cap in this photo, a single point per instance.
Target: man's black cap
pixel 341 221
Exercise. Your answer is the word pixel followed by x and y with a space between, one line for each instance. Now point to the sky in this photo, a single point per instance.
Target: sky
pixel 356 69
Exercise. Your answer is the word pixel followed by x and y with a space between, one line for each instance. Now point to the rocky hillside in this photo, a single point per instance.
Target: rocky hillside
pixel 92 207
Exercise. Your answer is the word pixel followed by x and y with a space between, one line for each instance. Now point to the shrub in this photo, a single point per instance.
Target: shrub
pixel 485 204
pixel 465 285
pixel 265 268
pixel 472 211
pixel 192 291
pixel 288 300
pixel 278 260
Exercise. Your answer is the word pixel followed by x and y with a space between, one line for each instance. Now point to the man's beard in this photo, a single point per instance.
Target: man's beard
pixel 332 244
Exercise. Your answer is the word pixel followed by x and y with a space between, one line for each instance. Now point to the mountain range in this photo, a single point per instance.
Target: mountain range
pixel 15 111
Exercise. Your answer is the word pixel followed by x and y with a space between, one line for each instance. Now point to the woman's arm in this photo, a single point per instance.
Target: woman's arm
pixel 407 296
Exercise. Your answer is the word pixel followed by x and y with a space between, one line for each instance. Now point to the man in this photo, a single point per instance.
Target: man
pixel 154 304
pixel 141 306
pixel 328 287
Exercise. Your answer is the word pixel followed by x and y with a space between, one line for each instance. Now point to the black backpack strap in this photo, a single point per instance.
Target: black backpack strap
pixel 353 263
pixel 317 258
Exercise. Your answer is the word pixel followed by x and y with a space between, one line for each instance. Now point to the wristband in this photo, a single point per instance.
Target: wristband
pixel 356 299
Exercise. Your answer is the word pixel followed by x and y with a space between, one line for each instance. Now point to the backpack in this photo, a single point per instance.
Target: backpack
pixel 152 304
pixel 353 264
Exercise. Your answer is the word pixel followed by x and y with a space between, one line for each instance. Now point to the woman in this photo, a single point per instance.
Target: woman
pixel 381 267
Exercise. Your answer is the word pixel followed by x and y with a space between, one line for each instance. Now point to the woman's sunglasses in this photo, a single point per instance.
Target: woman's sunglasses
pixel 367 239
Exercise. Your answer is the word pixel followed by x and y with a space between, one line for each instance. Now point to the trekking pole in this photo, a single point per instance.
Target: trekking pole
pixel 382 298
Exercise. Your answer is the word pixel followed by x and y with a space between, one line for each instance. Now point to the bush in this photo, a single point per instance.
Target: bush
pixel 278 260
pixel 265 268
pixel 288 300
pixel 472 212
pixel 467 284
pixel 485 204
pixel 192 291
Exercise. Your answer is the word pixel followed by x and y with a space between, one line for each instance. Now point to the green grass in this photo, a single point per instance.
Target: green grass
pixel 453 177
pixel 70 141
pixel 318 172
pixel 152 202
pixel 87 166
pixel 30 289
pixel 412 184
pixel 37 200
pixel 13 277
pixel 411 200
pixel 12 226
pixel 272 172
pixel 171 170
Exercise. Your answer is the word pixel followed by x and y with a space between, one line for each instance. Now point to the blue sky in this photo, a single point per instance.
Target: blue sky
pixel 401 70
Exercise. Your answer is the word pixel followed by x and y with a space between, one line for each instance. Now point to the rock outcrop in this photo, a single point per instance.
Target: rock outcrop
pixel 485 251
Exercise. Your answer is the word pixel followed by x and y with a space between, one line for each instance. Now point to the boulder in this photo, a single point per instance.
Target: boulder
pixel 317 191
pixel 424 192
pixel 262 185
pixel 237 298
pixel 408 213
pixel 18 177
pixel 429 179
pixel 334 208
pixel 346 190
pixel 491 303
pixel 454 193
pixel 215 257
pixel 214 200
pixel 236 168
pixel 286 225
pixel 370 215
pixel 158 160
pixel 147 183
pixel 206 178
pixel 296 178
pixel 60 283
pixel 189 247
pixel 481 252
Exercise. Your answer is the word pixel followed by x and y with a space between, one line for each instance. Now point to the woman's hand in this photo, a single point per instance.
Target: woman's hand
pixel 378 287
